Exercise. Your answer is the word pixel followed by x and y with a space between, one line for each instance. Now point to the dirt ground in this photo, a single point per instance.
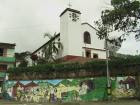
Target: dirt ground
pixel 118 102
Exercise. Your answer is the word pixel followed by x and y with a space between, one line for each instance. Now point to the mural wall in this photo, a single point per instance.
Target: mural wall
pixel 87 89
pixel 124 87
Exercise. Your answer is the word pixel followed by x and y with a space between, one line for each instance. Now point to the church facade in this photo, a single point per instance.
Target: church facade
pixel 79 40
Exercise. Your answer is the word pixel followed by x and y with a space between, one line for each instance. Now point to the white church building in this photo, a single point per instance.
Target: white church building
pixel 79 39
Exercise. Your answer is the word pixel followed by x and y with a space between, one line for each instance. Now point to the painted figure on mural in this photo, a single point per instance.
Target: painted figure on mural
pixel 58 95
pixel 53 95
pixel 19 92
pixel 9 91
pixel 0 89
pixel 85 87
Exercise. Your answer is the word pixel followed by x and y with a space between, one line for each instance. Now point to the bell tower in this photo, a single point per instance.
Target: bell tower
pixel 70 32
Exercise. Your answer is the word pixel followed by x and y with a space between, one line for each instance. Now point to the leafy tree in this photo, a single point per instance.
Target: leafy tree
pixel 124 16
pixel 41 61
pixel 103 32
pixel 21 57
pixel 34 57
pixel 24 63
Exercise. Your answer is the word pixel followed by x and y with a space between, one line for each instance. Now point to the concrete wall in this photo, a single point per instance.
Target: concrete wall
pixel 70 35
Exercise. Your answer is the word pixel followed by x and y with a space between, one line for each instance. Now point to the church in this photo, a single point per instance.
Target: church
pixel 79 39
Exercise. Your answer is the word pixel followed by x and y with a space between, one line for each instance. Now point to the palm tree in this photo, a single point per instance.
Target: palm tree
pixel 52 49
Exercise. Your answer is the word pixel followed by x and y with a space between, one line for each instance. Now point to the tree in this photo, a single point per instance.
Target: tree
pixel 52 49
pixel 41 61
pixel 34 58
pixel 124 16
pixel 103 32
pixel 23 63
pixel 21 58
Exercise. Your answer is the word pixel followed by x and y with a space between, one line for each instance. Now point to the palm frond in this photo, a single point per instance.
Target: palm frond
pixel 48 35
pixel 52 49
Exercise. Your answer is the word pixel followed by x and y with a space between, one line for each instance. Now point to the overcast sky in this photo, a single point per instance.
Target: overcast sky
pixel 24 21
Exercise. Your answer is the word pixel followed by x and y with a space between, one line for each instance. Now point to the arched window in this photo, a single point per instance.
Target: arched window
pixel 87 38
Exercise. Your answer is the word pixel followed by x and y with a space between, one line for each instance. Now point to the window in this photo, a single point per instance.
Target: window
pixel 3 67
pixel 88 53
pixel 87 38
pixel 1 51
pixel 95 56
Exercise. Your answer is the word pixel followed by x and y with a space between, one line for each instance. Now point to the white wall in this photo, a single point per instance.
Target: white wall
pixel 96 43
pixel 70 35
pixel 63 33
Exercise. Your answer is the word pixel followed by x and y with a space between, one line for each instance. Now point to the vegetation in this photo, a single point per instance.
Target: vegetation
pixel 123 16
pixel 23 63
pixel 115 63
pixel 21 58
pixel 52 49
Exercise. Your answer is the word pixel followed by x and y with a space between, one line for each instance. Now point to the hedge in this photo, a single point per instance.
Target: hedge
pixel 97 65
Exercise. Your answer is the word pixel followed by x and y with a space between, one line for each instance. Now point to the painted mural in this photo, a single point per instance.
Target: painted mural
pixel 66 90
pixel 124 87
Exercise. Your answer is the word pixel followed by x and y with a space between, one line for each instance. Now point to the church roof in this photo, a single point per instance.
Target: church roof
pixel 89 25
pixel 47 43
pixel 69 9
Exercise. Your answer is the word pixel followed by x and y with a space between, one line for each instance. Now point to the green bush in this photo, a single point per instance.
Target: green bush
pixel 76 67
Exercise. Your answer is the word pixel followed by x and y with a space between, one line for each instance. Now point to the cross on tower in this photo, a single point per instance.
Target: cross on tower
pixel 69 4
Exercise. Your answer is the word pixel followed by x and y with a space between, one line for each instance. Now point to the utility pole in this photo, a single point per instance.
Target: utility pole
pixel 107 69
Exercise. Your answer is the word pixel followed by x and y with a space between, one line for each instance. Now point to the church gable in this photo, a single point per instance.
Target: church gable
pixel 92 46
pixel 94 42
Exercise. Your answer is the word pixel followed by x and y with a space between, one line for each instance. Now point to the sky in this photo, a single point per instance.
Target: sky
pixel 25 21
